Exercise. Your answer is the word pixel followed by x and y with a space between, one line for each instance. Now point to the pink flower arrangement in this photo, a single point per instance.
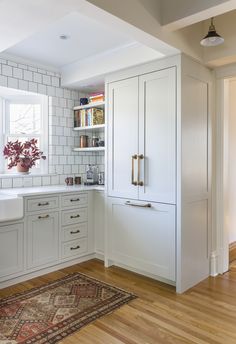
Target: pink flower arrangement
pixel 24 153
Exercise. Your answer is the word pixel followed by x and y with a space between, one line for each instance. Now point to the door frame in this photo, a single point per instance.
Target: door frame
pixel 223 76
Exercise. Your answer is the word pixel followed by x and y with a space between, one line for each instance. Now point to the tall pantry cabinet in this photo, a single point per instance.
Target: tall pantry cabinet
pixel 158 167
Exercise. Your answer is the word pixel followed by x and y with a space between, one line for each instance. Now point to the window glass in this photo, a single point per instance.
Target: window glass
pixel 25 118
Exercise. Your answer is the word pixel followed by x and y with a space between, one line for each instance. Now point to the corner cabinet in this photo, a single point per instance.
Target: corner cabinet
pixel 142 137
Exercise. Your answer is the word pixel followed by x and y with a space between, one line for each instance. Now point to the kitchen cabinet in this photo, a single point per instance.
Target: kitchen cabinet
pixel 11 250
pixel 142 137
pixel 42 239
pixel 142 237
pixel 159 152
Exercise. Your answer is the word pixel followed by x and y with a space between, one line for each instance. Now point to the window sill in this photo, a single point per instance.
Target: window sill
pixel 30 175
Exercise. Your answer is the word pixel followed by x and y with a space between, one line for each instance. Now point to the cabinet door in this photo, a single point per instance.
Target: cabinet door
pixel 157 136
pixel 42 240
pixel 142 238
pixel 11 249
pixel 99 221
pixel 122 137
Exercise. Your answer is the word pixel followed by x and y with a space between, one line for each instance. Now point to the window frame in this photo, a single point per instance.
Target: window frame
pixel 5 128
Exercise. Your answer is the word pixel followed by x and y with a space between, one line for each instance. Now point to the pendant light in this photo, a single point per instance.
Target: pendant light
pixel 212 38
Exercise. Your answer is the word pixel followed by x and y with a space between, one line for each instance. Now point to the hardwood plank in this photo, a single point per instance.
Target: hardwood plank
pixel 204 314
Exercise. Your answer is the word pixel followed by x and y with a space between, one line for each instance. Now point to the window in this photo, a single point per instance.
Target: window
pixel 24 117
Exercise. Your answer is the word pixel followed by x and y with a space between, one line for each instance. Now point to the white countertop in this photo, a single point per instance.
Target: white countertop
pixel 38 190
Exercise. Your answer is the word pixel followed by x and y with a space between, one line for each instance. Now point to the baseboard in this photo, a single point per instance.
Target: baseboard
pixel 99 256
pixel 214 264
pixel 28 276
pixel 232 251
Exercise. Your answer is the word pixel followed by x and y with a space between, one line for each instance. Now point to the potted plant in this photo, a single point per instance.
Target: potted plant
pixel 23 155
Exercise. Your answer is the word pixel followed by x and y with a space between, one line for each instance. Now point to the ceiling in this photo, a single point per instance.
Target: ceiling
pixel 86 38
pixel 105 36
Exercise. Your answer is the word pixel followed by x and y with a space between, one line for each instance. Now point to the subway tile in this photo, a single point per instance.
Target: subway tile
pixel 7 70
pixel 17 73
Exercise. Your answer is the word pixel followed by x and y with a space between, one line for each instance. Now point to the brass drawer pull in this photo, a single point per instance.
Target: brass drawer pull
pixel 43 204
pixel 75 248
pixel 75 232
pixel 75 217
pixel 146 205
pixel 43 217
pixel 75 200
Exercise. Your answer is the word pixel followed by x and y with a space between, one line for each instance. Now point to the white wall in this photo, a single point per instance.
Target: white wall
pixel 62 160
pixel 231 187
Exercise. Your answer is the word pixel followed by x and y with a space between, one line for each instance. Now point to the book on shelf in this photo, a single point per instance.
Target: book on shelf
pixel 88 117
pixel 96 97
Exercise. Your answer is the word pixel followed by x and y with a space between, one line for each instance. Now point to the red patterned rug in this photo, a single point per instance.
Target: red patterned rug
pixel 50 313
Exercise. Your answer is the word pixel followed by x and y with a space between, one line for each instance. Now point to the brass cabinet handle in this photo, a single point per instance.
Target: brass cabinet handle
pixel 133 182
pixel 75 248
pixel 75 200
pixel 43 204
pixel 75 232
pixel 140 157
pixel 43 217
pixel 75 217
pixel 146 205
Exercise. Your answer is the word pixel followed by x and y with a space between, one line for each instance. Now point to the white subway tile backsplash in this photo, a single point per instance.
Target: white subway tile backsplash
pixel 61 159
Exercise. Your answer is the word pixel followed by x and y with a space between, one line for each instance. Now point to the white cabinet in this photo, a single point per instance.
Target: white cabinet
pixel 11 250
pixel 157 135
pixel 42 239
pixel 142 237
pixel 122 136
pixel 142 137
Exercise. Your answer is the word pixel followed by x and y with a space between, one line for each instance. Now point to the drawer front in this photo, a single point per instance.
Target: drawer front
pixel 70 217
pixel 74 248
pixel 74 232
pixel 42 204
pixel 74 200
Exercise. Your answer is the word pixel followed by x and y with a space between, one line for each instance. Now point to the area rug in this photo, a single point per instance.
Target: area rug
pixel 52 312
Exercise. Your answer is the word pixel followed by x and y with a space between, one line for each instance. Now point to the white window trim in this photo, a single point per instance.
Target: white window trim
pixel 4 130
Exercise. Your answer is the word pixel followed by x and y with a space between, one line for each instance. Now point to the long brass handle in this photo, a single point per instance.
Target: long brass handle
pixel 75 248
pixel 140 157
pixel 74 217
pixel 75 232
pixel 133 182
pixel 43 217
pixel 146 205
pixel 43 204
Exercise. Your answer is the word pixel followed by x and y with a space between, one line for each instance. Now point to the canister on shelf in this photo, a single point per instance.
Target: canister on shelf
pixel 83 141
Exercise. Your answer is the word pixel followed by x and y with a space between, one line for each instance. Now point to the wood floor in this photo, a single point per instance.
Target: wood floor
pixel 205 314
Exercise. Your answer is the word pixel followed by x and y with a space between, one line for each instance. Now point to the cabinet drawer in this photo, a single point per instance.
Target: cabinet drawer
pixel 74 248
pixel 42 204
pixel 70 217
pixel 74 200
pixel 74 232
